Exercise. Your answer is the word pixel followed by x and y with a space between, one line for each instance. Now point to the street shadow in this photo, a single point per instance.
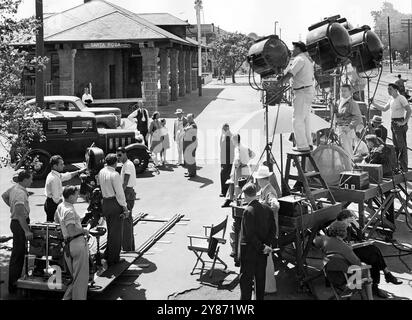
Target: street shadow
pixel 191 103
pixel 221 279
pixel 204 181
pixel 167 168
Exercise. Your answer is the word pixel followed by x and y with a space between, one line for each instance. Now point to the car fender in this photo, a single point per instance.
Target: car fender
pixel 137 146
pixel 108 119
pixel 20 163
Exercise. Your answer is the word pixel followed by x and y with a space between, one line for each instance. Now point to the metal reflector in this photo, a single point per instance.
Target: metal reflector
pixel 329 43
pixel 269 56
pixel 367 49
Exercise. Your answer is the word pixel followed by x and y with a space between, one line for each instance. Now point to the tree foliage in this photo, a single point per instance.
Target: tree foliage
pixel 230 51
pixel 399 36
pixel 17 126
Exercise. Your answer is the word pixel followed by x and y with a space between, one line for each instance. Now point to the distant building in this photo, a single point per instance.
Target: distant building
pixel 121 53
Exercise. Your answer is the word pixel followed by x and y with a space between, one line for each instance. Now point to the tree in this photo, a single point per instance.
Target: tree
pixel 399 37
pixel 230 51
pixel 17 125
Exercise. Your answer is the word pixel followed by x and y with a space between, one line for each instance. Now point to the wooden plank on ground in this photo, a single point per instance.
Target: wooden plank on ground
pixel 106 278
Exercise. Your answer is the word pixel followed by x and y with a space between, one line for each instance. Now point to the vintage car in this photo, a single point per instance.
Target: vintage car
pixel 109 118
pixel 70 134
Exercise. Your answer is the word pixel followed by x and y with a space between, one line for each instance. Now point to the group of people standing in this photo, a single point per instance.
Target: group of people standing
pixel 156 137
pixel 118 201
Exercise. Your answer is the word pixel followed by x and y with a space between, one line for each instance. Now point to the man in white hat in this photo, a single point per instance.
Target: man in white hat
pixel 268 194
pixel 179 132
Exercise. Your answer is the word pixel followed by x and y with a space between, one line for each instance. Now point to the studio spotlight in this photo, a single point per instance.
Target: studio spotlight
pixel 367 49
pixel 329 43
pixel 269 56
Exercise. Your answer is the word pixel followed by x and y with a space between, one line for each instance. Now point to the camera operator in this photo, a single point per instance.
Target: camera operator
pixel 114 208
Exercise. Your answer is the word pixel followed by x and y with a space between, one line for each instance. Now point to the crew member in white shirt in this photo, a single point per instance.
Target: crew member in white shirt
pixel 128 175
pixel 87 97
pixel 114 208
pixel 303 74
pixel 54 185
pixel 400 115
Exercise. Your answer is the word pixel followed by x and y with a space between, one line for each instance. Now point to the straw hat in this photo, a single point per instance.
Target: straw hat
pixel 262 173
pixel 179 111
pixel 377 120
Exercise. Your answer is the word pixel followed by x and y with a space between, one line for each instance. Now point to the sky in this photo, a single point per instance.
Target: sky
pixel 246 16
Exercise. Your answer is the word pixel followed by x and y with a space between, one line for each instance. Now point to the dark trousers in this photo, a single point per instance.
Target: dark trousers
pixel 17 254
pixel 252 267
pixel 191 164
pixel 112 211
pixel 224 176
pixel 372 256
pixel 50 208
pixel 401 146
pixel 128 229
pixel 144 134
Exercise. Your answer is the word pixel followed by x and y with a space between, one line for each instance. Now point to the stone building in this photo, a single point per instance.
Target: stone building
pixel 121 53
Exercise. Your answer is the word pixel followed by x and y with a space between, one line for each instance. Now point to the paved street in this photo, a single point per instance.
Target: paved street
pixel 162 196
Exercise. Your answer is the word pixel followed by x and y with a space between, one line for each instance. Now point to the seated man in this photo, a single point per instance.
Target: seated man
pixel 378 129
pixel 367 253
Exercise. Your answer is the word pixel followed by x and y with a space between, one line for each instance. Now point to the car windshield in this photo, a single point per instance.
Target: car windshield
pixel 80 104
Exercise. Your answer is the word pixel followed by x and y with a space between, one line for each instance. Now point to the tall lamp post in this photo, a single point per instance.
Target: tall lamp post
pixel 198 7
pixel 276 23
pixel 39 53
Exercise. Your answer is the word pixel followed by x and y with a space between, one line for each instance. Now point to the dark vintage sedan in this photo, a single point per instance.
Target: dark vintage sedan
pixel 70 134
pixel 109 118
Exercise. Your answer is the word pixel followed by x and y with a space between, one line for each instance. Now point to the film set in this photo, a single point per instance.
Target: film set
pixel 170 151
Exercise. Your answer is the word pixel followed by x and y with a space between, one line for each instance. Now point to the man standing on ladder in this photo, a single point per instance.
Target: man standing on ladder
pixel 303 73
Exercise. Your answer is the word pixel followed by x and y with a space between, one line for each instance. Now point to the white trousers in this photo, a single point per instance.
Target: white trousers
pixel 346 136
pixel 302 107
pixel 179 144
pixel 78 265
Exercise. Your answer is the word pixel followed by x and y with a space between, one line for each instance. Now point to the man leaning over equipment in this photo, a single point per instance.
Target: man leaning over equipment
pixel 76 250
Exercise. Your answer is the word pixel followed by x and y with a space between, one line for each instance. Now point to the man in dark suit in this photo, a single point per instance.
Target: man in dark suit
pixel 257 238
pixel 141 117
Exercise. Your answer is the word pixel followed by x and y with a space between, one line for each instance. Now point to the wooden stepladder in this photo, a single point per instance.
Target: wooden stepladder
pixel 313 194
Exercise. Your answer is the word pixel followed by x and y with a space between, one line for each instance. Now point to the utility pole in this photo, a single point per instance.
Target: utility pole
pixel 39 53
pixel 276 23
pixel 198 7
pixel 280 33
pixel 390 44
pixel 406 23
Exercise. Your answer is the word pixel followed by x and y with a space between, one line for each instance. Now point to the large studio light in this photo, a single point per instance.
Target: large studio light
pixel 269 56
pixel 329 43
pixel 367 49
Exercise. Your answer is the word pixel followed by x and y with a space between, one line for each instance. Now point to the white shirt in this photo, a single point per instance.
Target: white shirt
pixel 66 215
pixel 129 168
pixel 303 71
pixel 398 106
pixel 111 185
pixel 362 149
pixel 54 185
pixel 87 96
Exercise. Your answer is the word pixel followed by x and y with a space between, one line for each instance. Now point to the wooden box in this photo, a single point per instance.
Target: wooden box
pixel 354 180
pixel 375 172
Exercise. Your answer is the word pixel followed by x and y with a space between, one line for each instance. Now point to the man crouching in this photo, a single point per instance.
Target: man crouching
pixel 76 248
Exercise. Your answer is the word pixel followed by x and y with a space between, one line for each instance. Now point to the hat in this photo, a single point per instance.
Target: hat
pixel 179 111
pixel 300 45
pixel 262 173
pixel 338 227
pixel 377 119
